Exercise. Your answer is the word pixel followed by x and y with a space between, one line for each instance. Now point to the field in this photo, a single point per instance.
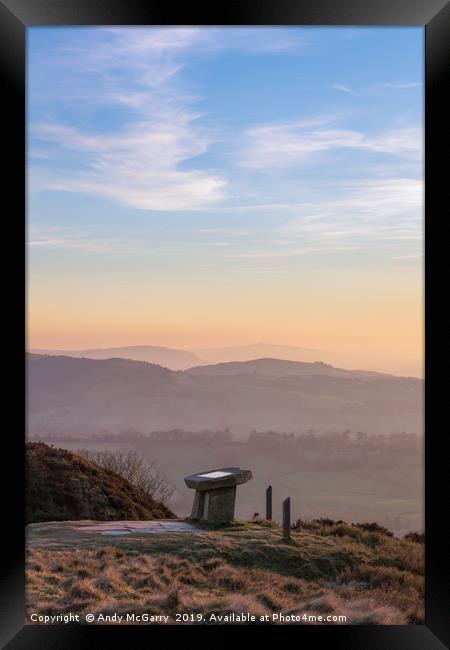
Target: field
pixel 325 570
pixel 387 489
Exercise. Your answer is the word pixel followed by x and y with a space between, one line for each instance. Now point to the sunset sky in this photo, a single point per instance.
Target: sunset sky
pixel 196 187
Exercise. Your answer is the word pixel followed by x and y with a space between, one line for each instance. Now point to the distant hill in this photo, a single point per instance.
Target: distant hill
pixel 64 486
pixel 90 396
pixel 167 357
pixel 343 359
pixel 280 368
pixel 261 350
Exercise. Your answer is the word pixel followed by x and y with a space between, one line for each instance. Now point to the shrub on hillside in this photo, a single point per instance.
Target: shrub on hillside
pixel 412 536
pixel 132 467
pixel 373 527
pixel 339 527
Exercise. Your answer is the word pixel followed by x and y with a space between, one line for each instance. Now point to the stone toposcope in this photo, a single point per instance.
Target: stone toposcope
pixel 215 493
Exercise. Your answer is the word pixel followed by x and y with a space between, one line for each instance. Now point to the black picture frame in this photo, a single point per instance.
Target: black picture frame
pixel 433 15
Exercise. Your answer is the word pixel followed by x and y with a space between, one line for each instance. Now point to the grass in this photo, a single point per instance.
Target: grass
pixel 366 575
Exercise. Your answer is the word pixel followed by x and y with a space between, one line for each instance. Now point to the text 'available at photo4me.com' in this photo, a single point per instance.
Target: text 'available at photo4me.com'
pixel 131 618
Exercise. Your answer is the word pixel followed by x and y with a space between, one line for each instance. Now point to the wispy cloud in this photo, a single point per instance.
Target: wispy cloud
pixel 146 158
pixel 368 90
pixel 399 85
pixel 138 162
pixel 138 167
pixel 210 39
pixel 343 88
pixel 381 210
pixel 349 34
pixel 74 239
pixel 94 246
pixel 281 145
pixel 382 218
pixel 412 256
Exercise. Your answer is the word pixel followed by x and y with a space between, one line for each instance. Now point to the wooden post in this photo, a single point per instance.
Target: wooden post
pixel 287 519
pixel 269 503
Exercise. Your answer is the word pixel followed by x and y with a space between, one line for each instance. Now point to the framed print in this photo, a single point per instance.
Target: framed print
pixel 229 222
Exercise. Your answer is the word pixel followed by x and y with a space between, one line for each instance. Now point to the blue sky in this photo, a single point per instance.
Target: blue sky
pixel 157 155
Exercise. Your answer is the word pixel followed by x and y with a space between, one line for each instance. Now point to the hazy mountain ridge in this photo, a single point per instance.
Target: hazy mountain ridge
pixel 184 359
pixel 86 395
pixel 169 357
pixel 261 350
pixel 281 368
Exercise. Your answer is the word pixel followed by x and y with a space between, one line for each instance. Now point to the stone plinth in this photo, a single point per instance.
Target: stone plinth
pixel 215 493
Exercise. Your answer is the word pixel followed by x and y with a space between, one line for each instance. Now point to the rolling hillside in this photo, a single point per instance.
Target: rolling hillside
pixel 168 357
pixel 89 396
pixel 259 350
pixel 281 368
pixel 64 486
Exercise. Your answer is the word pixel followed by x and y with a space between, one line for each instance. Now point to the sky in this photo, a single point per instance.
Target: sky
pixel 195 186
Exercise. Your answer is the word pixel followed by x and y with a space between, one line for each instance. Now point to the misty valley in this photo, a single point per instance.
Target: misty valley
pixel 342 444
pixel 353 486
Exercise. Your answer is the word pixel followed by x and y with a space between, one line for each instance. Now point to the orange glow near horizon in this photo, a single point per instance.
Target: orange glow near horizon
pixel 372 324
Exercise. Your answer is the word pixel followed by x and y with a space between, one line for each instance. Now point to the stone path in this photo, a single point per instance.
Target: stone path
pixel 151 527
